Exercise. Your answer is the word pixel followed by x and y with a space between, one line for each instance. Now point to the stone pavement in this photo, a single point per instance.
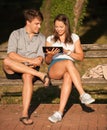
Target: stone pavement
pixel 77 117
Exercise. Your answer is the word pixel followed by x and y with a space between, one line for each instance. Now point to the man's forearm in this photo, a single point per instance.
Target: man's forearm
pixel 17 57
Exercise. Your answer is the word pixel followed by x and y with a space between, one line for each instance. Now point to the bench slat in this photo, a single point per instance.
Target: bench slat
pixel 88 54
pixel 17 82
pixel 86 47
pixel 96 54
pixel 90 51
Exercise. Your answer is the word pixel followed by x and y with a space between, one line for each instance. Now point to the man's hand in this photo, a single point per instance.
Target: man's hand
pixel 35 62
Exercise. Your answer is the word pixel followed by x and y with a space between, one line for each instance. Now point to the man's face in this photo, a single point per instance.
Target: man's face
pixel 34 26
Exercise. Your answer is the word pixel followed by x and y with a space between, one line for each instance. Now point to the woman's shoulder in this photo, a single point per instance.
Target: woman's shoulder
pixel 75 37
pixel 49 38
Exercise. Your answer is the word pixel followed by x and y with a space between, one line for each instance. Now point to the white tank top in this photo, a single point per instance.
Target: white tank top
pixel 70 47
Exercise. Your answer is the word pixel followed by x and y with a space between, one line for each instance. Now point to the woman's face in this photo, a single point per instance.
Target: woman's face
pixel 60 27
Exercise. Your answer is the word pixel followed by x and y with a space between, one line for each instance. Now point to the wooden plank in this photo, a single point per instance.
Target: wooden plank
pixel 96 54
pixel 90 51
pixel 94 81
pixel 88 47
pixel 95 50
pixel 7 82
pixel 88 54
pixel 2 55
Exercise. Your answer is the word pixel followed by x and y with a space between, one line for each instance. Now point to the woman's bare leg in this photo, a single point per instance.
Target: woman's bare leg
pixel 65 91
pixel 65 69
pixel 67 66
pixel 56 73
pixel 75 76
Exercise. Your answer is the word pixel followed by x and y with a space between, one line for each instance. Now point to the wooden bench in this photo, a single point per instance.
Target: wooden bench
pixel 90 51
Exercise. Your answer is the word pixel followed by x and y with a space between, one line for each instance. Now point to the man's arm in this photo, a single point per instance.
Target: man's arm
pixel 17 57
pixel 30 61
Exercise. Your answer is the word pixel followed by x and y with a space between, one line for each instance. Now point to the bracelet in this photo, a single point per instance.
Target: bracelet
pixel 69 52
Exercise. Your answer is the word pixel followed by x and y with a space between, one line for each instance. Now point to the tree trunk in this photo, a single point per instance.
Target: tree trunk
pixel 77 12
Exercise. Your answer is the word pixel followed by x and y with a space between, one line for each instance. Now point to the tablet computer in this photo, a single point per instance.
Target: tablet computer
pixel 51 47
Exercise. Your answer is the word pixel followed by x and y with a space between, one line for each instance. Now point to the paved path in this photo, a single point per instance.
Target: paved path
pixel 91 117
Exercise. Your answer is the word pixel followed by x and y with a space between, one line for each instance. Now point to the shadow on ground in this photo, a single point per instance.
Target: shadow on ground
pixel 51 95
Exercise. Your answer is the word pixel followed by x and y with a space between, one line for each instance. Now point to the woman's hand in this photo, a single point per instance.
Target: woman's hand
pixel 77 54
pixel 53 52
pixel 67 52
pixel 50 54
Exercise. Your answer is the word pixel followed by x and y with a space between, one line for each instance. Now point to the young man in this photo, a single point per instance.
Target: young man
pixel 24 57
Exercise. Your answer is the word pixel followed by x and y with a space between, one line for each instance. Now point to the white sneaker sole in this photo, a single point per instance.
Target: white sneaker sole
pixel 53 121
pixel 89 102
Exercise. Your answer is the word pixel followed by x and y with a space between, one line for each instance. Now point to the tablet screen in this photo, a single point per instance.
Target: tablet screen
pixel 51 47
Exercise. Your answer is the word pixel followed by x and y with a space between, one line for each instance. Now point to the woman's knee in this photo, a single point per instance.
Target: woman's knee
pixel 55 74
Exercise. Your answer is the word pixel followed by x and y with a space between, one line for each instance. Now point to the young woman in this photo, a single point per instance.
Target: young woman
pixel 62 64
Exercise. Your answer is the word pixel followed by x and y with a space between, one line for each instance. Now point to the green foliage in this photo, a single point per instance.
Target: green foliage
pixel 83 14
pixel 62 6
pixel 52 8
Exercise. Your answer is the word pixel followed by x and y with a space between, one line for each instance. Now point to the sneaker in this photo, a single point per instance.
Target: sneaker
pixel 57 116
pixel 86 98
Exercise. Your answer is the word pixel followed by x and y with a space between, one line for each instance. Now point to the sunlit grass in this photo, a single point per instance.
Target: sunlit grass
pixel 41 94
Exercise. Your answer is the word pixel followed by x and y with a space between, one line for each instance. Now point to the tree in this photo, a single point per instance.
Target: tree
pixel 74 9
pixel 79 13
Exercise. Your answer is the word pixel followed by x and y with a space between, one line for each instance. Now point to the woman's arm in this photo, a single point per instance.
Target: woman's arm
pixel 78 52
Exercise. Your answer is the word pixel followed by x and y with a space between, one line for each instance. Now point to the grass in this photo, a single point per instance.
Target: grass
pixel 11 94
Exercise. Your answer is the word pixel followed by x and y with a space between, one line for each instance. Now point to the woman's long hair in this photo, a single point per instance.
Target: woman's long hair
pixel 63 18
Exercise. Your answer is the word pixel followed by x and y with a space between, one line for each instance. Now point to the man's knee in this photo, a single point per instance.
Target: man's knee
pixel 6 61
pixel 27 76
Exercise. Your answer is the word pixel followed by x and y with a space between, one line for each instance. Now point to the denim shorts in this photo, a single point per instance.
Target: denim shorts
pixel 54 61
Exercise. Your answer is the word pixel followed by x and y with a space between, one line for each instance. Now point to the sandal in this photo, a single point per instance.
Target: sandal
pixel 44 80
pixel 24 120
